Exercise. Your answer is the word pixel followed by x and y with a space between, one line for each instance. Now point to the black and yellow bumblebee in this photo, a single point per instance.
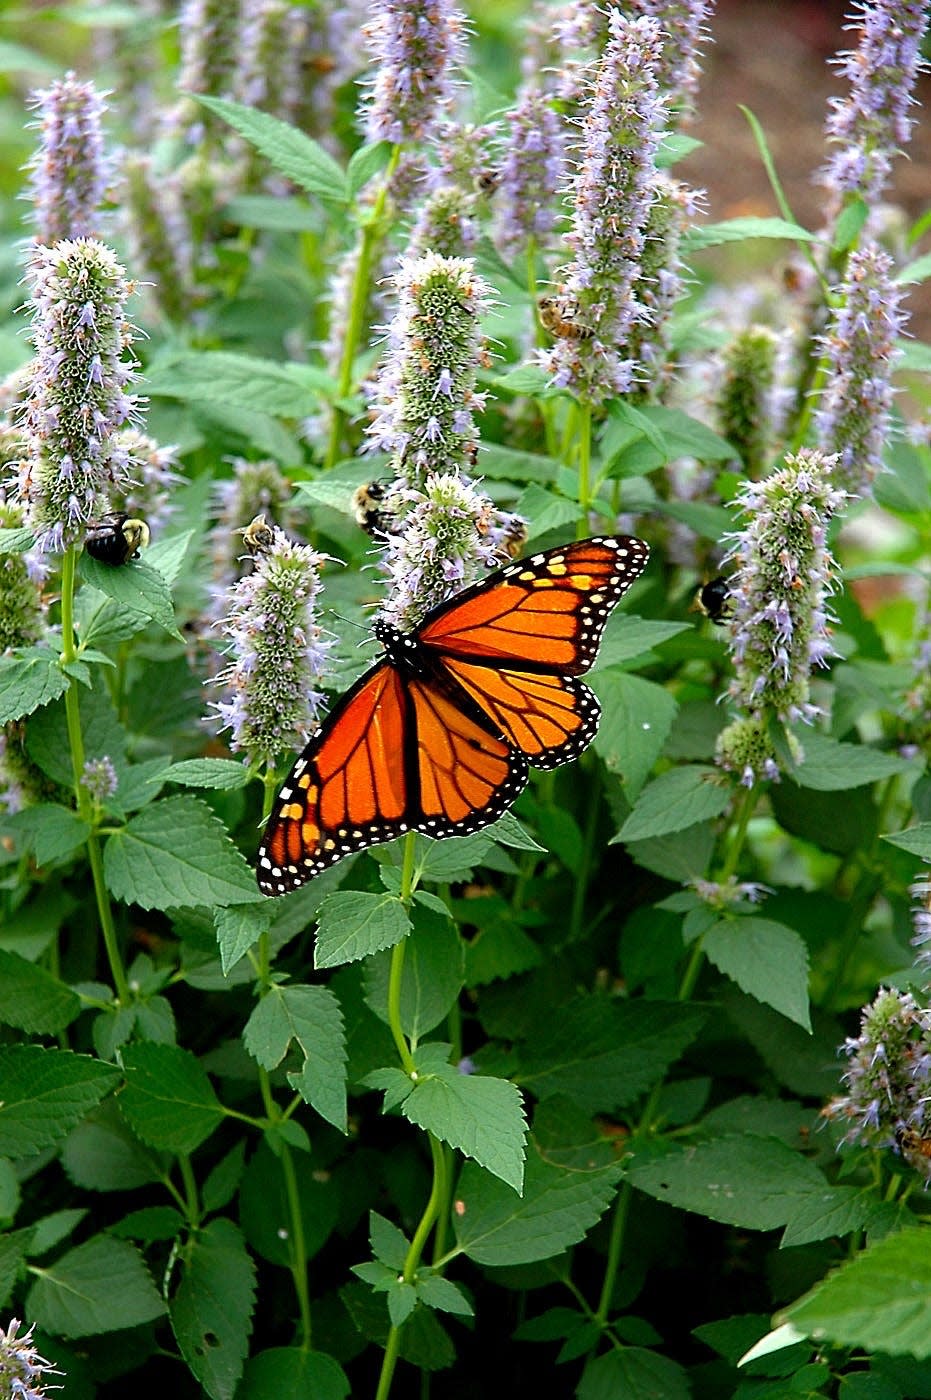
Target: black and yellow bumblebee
pixel 116 538
pixel 714 600
pixel 368 508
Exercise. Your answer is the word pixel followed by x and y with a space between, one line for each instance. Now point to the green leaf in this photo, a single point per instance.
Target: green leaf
pixel 176 852
pixel 273 212
pixel 917 271
pixel 12 1254
pixel 481 1116
pixel 245 382
pixel 432 976
pixel 880 1301
pixel 220 773
pixel 437 1292
pixel 45 1092
pixel 663 434
pixel 353 924
pixel 829 766
pixel 558 1206
pixel 389 1244
pixel 265 1211
pixel 29 680
pixel 837 1210
pixel 766 960
pixel 102 1154
pixel 849 224
pixel 16 540
pixel 136 586
pixel 754 1182
pixel 168 1100
pixel 100 1286
pixel 747 226
pixel 544 511
pixel 304 162
pixel 32 1000
pixel 633 1373
pixel 289 1373
pixel 603 1054
pixel 916 840
pixel 628 637
pixel 636 717
pixel 168 554
pixel 52 832
pixel 149 1225
pixel 526 379
pixel 676 799
pixel 211 1313
pixel 364 163
pixel 312 1017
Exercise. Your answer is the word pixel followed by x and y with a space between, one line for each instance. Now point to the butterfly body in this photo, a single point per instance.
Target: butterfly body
pixel 438 735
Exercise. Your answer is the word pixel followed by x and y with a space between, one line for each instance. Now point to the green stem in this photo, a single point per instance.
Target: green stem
pixel 370 234
pixel 615 1246
pixel 585 469
pixel 735 848
pixel 585 863
pixel 394 1007
pixel 297 1245
pixel 191 1199
pixel 81 795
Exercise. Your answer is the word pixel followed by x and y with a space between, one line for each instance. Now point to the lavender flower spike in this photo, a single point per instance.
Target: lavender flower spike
pixel 613 194
pixel 425 396
pixel 782 577
pixel 272 700
pixel 22 1369
pixel 531 173
pixel 853 417
pixel 69 172
pixel 415 44
pixel 684 23
pixel 79 402
pixel 870 125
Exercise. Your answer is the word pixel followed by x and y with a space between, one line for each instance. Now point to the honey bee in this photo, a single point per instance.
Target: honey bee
pixel 915 1149
pixel 257 535
pixel 714 599
pixel 559 316
pixel 116 538
pixel 368 508
pixel 487 181
pixel 515 537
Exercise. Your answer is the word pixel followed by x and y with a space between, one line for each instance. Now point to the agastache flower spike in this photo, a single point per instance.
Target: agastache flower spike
pixel 684 24
pixel 659 284
pixel 445 224
pixel 152 473
pixel 270 41
pixel 79 401
pixel 415 44
pixel 872 124
pixel 613 193
pixel 271 697
pixel 782 575
pixel 531 173
pixel 921 920
pixel 887 1077
pixel 22 1369
pixel 425 396
pixel 99 777
pixel 69 172
pixel 159 234
pixel 744 400
pixel 209 31
pixel 860 344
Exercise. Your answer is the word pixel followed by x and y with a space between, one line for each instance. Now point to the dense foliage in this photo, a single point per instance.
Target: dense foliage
pixel 320 313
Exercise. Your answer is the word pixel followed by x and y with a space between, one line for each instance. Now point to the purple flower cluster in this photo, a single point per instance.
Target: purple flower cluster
pixel 271 701
pixel 782 577
pixel 271 38
pixel 853 417
pixel 532 171
pixel 22 1369
pixel 921 920
pixel 425 396
pixel 871 124
pixel 613 193
pixel 73 454
pixel 69 171
pixel 684 24
pixel 99 778
pixel 209 34
pixel 151 476
pixel 415 44
pixel 887 1077
pixel 659 283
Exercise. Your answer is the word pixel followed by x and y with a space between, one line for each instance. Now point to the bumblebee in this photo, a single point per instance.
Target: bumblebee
pixel 257 535
pixel 116 538
pixel 559 316
pixel 487 181
pixel 915 1149
pixel 515 537
pixel 714 600
pixel 368 508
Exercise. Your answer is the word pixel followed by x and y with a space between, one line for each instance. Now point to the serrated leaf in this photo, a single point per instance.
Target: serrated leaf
pixel 304 162
pixel 481 1116
pixel 312 1017
pixel 176 852
pixel 837 1210
pixel 766 960
pixel 102 1153
pixel 290 1373
pixel 829 766
pixel 100 1286
pixel 211 1313
pixel 431 978
pixel 168 1100
pixel 389 1244
pixel 149 1225
pixel 244 382
pixel 676 799
pixel 747 226
pixel 220 773
pixel 353 924
pixel 364 163
pixel 168 553
pixel 29 680
pixel 753 1182
pixel 53 832
pixel 544 510
pixel 633 1373
pixel 45 1092
pixel 636 717
pixel 136 586
pixel 52 1229
pixel 558 1206
pixel 221 1185
pixel 628 637
pixel 880 1301
pixel 12 1254
pixel 32 1000
pixel 603 1054
pixel 916 840
pixel 440 1293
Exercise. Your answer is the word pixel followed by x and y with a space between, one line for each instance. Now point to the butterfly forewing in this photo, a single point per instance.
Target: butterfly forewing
pixel 549 718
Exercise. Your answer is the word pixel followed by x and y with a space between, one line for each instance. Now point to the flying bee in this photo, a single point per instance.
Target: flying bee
pixel 559 315
pixel 714 600
pixel 116 538
pixel 257 535
pixel 368 508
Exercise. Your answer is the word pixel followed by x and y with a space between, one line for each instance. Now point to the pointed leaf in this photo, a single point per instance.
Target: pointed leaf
pixel 676 799
pixel 766 960
pixel 211 1313
pixel 44 1093
pixel 29 680
pixel 32 999
pixel 136 586
pixel 432 976
pixel 633 1373
pixel 168 1100
pixel 353 924
pixel 482 1117
pixel 288 149
pixel 289 1373
pixel 101 1286
pixel 312 1017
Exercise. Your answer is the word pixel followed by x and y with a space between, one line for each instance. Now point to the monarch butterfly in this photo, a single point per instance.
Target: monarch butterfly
pixel 437 735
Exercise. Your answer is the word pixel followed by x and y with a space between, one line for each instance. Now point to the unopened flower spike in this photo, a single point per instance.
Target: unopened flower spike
pixel 73 455
pixel 271 688
pixel 780 576
pixel 69 170
pixel 159 235
pixel 744 399
pixel 612 197
pixel 853 416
